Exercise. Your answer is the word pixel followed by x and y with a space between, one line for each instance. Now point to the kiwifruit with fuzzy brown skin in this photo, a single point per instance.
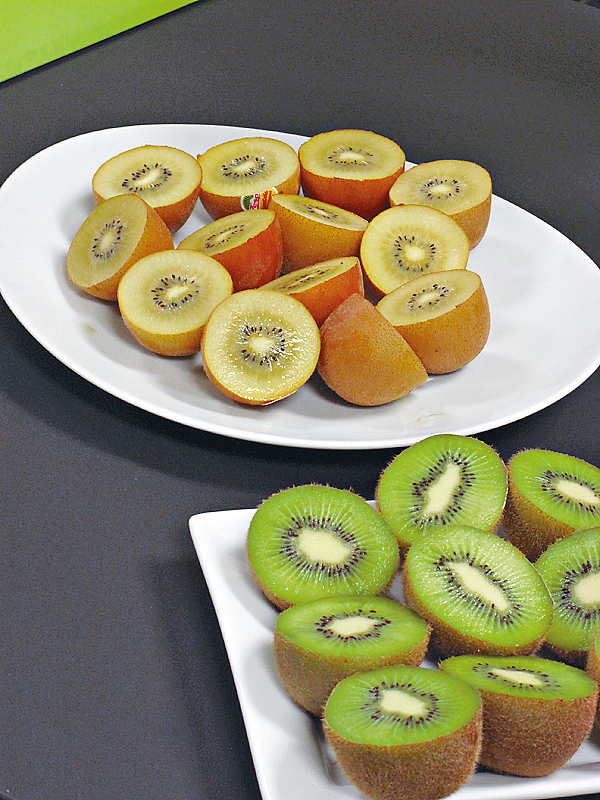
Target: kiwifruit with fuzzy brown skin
pixel 592 664
pixel 239 175
pixel 404 732
pixel 444 317
pixel 117 233
pixel 536 712
pixel 167 178
pixel 364 359
pixel 478 592
pixel 461 189
pixel 352 169
pixel 550 495
pixel 314 541
pixel 318 643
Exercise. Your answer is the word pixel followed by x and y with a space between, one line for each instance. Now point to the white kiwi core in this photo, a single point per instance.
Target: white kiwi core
pixel 395 701
pixel 442 490
pixel 587 590
pixel 517 676
pixel 353 626
pixel 575 491
pixel 322 546
pixel 474 581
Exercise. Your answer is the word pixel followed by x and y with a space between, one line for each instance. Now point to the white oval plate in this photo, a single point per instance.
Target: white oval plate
pixel 544 293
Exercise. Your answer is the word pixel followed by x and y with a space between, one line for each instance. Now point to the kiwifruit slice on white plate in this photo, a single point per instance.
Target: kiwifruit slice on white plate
pixel 248 244
pixel 405 733
pixel 313 541
pixel 478 592
pixel 166 298
pixel 318 643
pixel 116 234
pixel 461 189
pixel 439 482
pixel 352 169
pixel 444 317
pixel 406 242
pixel 242 174
pixel 536 712
pixel 550 495
pixel 322 287
pixel 260 346
pixel 570 569
pixel 167 178
pixel 314 231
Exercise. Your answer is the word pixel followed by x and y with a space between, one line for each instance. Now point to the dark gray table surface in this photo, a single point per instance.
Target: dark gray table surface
pixel 114 679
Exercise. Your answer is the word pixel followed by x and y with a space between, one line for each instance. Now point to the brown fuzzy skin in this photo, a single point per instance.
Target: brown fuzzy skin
pixel 592 664
pixel 363 358
pixel 309 677
pixel 532 737
pixel 529 528
pixel 424 771
pixel 446 641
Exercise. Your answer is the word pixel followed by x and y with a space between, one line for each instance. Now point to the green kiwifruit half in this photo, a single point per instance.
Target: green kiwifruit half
pixel 521 676
pixel 536 712
pixel 550 495
pixel 404 731
pixel 320 642
pixel 441 481
pixel 570 569
pixel 478 592
pixel 405 242
pixel 313 541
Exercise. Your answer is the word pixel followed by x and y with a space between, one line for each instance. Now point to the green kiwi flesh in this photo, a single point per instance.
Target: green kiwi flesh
pixel 314 541
pixel 550 495
pixel 479 593
pixel 405 242
pixel 405 732
pixel 318 643
pixel 441 481
pixel 570 569
pixel 536 712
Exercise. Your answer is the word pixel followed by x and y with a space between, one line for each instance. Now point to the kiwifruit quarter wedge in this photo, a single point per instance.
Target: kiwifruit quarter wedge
pixel 318 643
pixel 439 482
pixel 313 541
pixel 478 592
pixel 444 317
pixel 536 712
pixel 242 174
pixel 406 242
pixel 570 568
pixel 461 189
pixel 550 495
pixel 403 732
pixel 167 178
pixel 116 234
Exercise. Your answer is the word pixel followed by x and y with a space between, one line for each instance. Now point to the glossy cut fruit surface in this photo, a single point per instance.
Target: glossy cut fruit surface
pixel 240 175
pixel 461 189
pixel 167 178
pixel 444 317
pixel 248 244
pixel 406 242
pixel 324 286
pixel 364 359
pixel 352 169
pixel 166 298
pixel 260 346
pixel 313 541
pixel 117 233
pixel 313 231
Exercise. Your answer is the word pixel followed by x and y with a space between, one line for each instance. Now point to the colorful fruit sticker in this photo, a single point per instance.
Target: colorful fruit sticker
pixel 252 202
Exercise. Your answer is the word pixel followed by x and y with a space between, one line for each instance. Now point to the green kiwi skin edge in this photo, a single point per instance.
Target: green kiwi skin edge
pixel 530 736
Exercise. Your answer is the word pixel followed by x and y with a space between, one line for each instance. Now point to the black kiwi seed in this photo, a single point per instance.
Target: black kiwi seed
pixel 99 248
pixel 453 188
pixel 143 180
pixel 223 236
pixel 251 165
pixel 403 241
pixel 277 342
pixel 175 280
pixel 415 300
pixel 359 156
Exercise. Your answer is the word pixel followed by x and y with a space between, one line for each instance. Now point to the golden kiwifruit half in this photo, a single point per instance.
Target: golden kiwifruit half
pixel 406 242
pixel 116 234
pixel 350 168
pixel 259 346
pixel 461 189
pixel 166 298
pixel 444 317
pixel 242 174
pixel 314 231
pixel 167 178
